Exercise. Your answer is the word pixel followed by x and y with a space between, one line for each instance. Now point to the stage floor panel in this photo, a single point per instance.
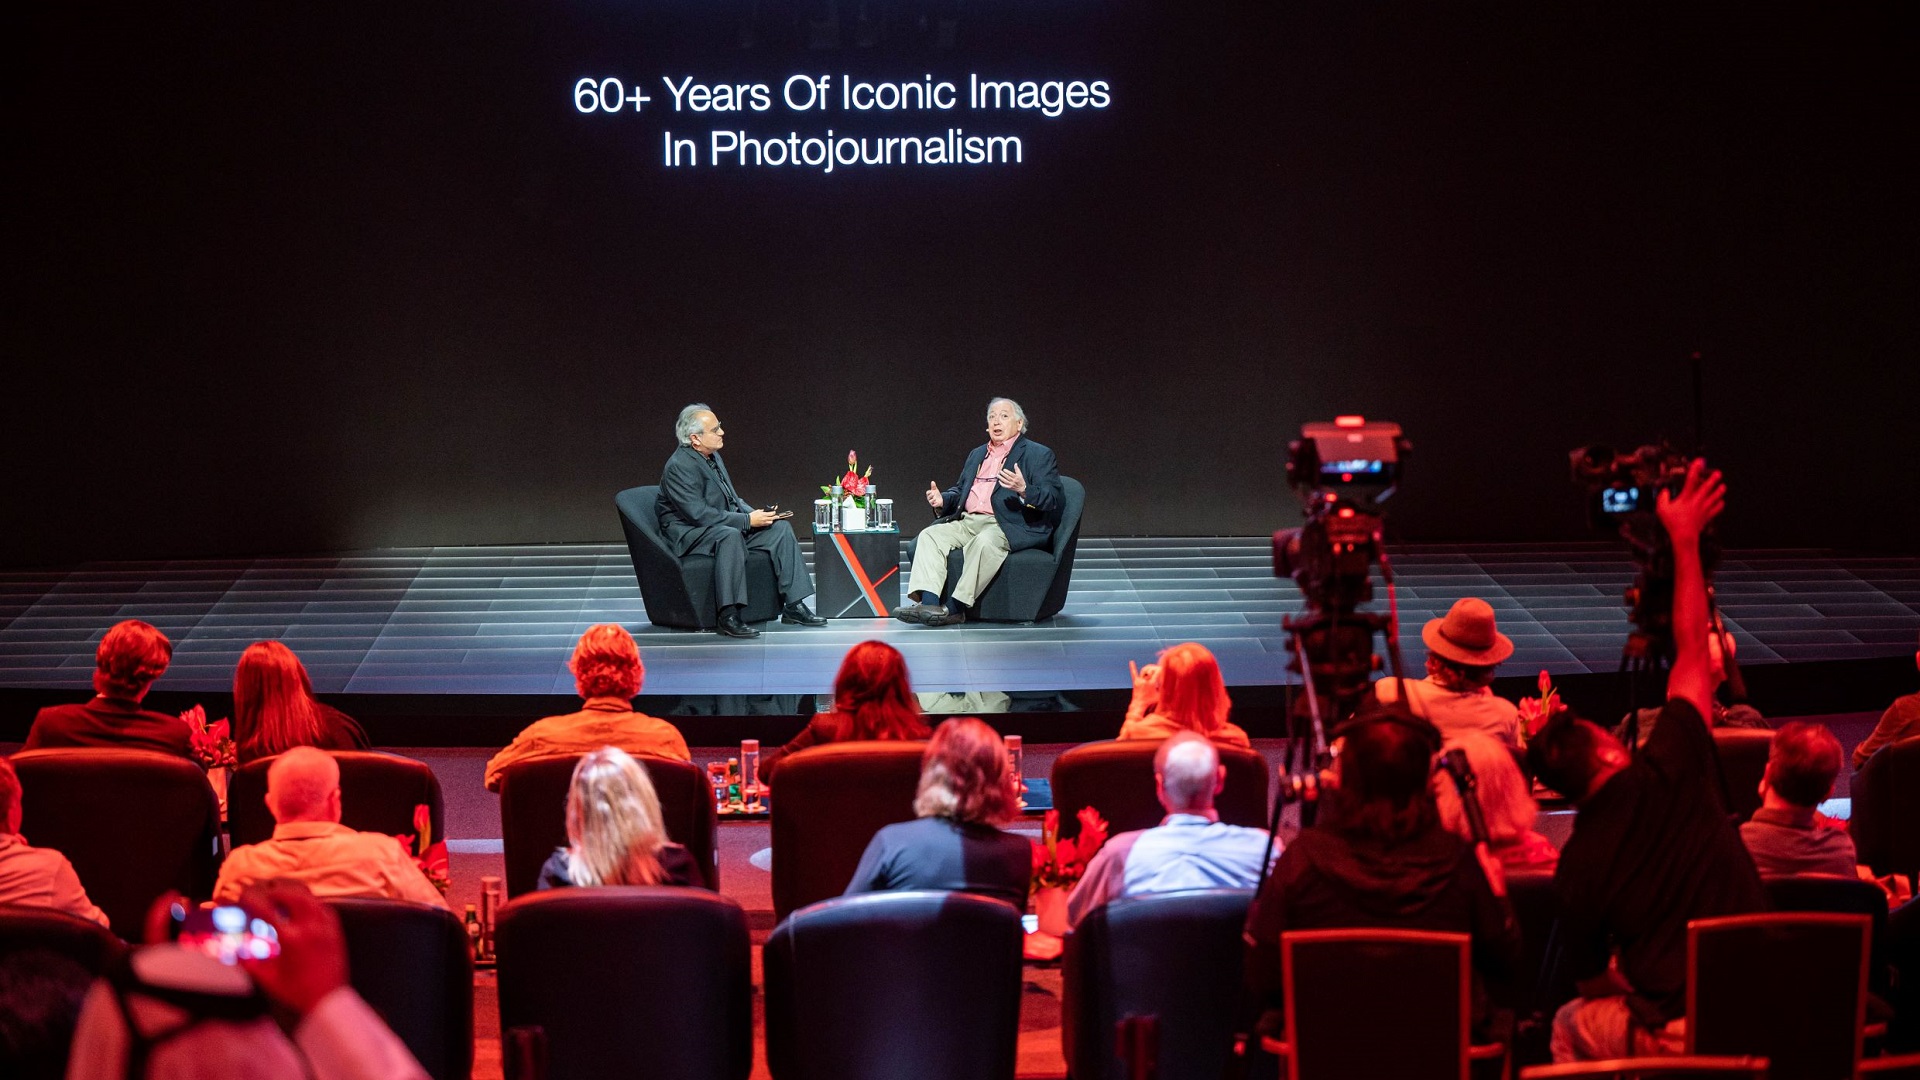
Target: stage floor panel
pixel 503 620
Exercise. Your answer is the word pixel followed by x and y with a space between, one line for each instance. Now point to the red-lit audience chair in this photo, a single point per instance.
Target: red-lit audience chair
pixel 410 962
pixel 378 793
pixel 1116 778
pixel 1385 1003
pixel 533 813
pixel 134 824
pixel 890 985
pixel 828 803
pixel 1886 810
pixel 1675 1067
pixel 1543 982
pixel 82 941
pixel 1838 895
pixel 1176 957
pixel 1792 987
pixel 1743 761
pixel 650 981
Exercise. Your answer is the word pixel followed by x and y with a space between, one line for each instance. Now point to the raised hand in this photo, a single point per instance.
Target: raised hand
pixel 1012 478
pixel 934 498
pixel 1701 498
pixel 1146 686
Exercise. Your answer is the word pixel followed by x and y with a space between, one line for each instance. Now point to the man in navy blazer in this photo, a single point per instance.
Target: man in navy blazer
pixel 701 514
pixel 1007 499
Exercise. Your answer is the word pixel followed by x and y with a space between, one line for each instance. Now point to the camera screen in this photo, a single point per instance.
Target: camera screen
pixel 1365 466
pixel 229 935
pixel 1619 500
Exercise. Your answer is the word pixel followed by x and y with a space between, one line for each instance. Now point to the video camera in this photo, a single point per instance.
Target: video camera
pixel 1623 490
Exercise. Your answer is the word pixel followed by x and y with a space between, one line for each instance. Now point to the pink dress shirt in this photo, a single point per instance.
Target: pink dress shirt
pixel 332 860
pixel 42 877
pixel 980 495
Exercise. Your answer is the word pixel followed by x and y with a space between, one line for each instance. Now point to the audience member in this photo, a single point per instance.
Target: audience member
pixel 1652 847
pixel 872 699
pixel 1720 647
pixel 967 789
pixel 1189 849
pixel 310 845
pixel 1183 692
pixel 615 832
pixel 40 996
pixel 1464 649
pixel 608 674
pixel 1900 721
pixel 1784 836
pixel 130 657
pixel 31 876
pixel 274 709
pixel 1380 858
pixel 1506 802
pixel 174 1011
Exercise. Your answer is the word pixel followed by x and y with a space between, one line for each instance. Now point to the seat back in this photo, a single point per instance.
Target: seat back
pixel 1743 761
pixel 655 568
pixel 1789 987
pixel 83 941
pixel 533 813
pixel 134 824
pixel 884 985
pixel 829 802
pixel 1841 896
pixel 378 793
pixel 1116 778
pixel 1344 988
pixel 650 981
pixel 410 962
pixel 1173 956
pixel 1541 986
pixel 1886 803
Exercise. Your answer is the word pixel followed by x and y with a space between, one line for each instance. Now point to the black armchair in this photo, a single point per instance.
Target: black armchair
pixel 378 793
pixel 1032 584
pixel 679 591
pixel 533 813
pixel 410 962
pixel 1116 777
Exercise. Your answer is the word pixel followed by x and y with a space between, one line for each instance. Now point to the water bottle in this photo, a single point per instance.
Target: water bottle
pixel 491 896
pixel 472 922
pixel 733 784
pixel 1017 759
pixel 717 776
pixel 837 496
pixel 750 773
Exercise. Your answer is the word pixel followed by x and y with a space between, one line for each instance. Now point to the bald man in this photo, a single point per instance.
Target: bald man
pixel 311 846
pixel 1189 849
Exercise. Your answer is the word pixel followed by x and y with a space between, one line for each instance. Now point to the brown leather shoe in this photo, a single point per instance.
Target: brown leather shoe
pixel 943 617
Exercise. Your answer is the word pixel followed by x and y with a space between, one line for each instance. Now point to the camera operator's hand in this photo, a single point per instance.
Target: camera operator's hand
pixel 313 951
pixel 1701 499
pixel 1146 688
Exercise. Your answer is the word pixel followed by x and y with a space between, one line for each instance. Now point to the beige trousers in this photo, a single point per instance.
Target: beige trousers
pixel 1597 1029
pixel 983 547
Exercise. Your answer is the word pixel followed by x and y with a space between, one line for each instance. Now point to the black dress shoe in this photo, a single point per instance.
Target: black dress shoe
pixel 799 614
pixel 941 617
pixel 731 626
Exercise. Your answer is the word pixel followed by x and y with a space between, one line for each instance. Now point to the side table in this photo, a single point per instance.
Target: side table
pixel 856 574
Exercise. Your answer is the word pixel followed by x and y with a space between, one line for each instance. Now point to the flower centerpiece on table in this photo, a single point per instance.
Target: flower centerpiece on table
pixel 1536 711
pixel 855 487
pixel 212 744
pixel 1058 865
pixel 428 854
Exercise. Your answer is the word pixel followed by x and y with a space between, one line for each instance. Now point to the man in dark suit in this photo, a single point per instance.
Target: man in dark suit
pixel 1007 499
pixel 701 514
pixel 130 657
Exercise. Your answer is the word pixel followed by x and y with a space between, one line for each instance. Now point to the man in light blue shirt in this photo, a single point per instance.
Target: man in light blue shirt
pixel 1189 849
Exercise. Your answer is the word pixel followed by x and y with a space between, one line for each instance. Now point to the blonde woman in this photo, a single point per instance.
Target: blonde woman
pixel 1183 692
pixel 1505 799
pixel 614 830
pixel 967 790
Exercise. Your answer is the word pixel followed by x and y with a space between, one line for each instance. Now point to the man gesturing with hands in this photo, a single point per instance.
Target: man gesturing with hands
pixel 1007 499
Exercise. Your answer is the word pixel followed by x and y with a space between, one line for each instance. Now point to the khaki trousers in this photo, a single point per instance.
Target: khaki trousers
pixel 1598 1029
pixel 983 548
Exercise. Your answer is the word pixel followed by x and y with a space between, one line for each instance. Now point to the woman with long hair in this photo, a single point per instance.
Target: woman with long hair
pixel 1505 801
pixel 1183 692
pixel 274 708
pixel 872 699
pixel 615 832
pixel 967 790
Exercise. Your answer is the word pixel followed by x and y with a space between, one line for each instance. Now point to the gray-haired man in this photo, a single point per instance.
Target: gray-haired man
pixel 701 514
pixel 1007 499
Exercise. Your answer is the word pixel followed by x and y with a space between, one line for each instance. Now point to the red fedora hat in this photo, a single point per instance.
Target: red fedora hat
pixel 1468 635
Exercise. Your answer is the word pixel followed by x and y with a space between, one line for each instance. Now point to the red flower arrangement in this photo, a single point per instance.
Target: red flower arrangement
pixel 855 485
pixel 212 744
pixel 1059 863
pixel 428 854
pixel 1535 712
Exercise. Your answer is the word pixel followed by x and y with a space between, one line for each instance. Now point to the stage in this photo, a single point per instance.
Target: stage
pixel 441 629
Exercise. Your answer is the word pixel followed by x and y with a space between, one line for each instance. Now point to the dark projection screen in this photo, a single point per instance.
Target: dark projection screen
pixel 294 278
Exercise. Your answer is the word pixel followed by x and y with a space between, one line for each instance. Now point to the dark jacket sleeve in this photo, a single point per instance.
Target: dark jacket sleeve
pixel 553 872
pixel 1043 479
pixel 1268 922
pixel 818 732
pixel 678 867
pixel 682 486
pixel 342 731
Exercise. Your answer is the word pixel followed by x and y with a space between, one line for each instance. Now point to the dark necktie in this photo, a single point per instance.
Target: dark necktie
pixel 720 474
